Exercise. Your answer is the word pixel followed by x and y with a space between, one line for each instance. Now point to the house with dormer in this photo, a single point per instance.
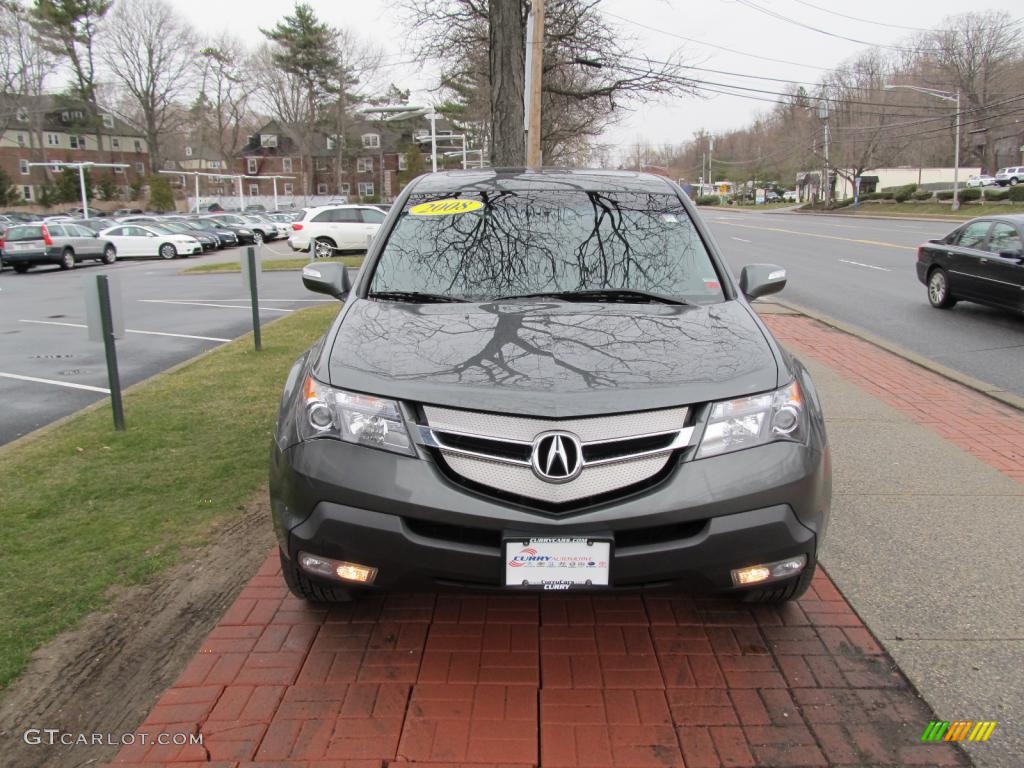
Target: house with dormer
pixel 40 129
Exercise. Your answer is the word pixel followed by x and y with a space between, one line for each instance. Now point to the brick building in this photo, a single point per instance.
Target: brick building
pixel 367 163
pixel 47 128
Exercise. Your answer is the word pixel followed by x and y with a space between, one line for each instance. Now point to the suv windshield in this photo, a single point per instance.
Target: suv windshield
pixel 507 244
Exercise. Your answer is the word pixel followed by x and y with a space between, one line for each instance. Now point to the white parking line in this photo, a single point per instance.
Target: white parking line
pixel 205 304
pixel 869 266
pixel 740 239
pixel 130 330
pixel 68 384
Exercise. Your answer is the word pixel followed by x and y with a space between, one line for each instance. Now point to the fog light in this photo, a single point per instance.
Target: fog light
pixel 751 575
pixel 354 572
pixel 337 569
pixel 780 569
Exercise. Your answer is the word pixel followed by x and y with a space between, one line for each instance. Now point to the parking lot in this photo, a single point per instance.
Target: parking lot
pixel 49 368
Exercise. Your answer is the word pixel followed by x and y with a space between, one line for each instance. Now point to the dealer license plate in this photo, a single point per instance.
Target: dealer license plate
pixel 557 563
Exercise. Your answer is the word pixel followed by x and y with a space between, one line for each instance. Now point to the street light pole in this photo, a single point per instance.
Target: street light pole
pixel 945 96
pixel 81 187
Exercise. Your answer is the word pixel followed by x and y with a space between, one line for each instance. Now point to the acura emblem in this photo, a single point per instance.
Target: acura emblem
pixel 557 457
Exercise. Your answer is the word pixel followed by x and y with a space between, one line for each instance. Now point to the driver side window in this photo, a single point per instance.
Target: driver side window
pixel 1005 238
pixel 973 235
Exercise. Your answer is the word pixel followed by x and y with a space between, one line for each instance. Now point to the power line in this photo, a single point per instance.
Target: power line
pixel 819 30
pixel 865 21
pixel 714 45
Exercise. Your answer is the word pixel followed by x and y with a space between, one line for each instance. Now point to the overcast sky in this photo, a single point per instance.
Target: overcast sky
pixel 713 23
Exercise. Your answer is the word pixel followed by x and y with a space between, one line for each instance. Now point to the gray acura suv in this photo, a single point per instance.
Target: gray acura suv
pixel 548 381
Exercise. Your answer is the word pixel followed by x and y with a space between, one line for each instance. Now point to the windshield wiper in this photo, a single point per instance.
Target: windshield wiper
pixel 416 297
pixel 623 295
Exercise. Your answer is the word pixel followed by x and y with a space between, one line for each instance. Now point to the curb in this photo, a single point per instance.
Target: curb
pixel 1007 398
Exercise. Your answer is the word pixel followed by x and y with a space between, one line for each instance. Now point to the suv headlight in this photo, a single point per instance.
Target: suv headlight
pixel 748 421
pixel 353 417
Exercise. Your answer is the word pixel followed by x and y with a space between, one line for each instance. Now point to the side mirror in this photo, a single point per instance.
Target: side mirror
pixel 329 278
pixel 1011 254
pixel 757 280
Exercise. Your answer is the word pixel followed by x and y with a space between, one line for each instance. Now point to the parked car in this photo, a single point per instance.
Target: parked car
pixel 332 228
pixel 151 240
pixel 209 240
pixel 263 229
pixel 95 225
pixel 980 180
pixel 789 196
pixel 771 196
pixel 548 381
pixel 63 243
pixel 982 261
pixel 236 224
pixel 228 237
pixel 127 211
pixel 1010 176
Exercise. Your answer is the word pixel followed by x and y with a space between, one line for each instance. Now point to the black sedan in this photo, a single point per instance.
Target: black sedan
pixel 226 235
pixel 209 240
pixel 982 261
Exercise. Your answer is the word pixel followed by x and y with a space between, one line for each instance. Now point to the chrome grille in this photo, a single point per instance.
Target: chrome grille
pixel 495 451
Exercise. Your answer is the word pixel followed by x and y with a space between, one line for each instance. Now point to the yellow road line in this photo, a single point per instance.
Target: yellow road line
pixel 824 237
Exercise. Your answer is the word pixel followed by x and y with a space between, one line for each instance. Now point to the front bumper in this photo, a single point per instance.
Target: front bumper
pixel 420 530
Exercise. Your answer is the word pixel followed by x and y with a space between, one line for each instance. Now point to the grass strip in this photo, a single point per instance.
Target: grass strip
pixel 86 508
pixel 967 210
pixel 270 265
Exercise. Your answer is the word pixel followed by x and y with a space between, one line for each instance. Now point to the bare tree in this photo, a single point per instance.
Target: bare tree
pixel 149 49
pixel 592 73
pixel 980 54
pixel 507 59
pixel 223 105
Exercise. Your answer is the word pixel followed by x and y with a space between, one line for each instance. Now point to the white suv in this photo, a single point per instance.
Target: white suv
pixel 1011 176
pixel 331 228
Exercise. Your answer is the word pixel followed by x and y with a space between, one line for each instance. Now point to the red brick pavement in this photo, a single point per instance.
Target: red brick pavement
pixel 471 681
pixel 561 681
pixel 990 430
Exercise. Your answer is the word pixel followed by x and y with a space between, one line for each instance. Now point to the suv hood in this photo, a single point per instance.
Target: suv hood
pixel 550 358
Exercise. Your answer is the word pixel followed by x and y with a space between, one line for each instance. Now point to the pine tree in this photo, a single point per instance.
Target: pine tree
pixel 161 198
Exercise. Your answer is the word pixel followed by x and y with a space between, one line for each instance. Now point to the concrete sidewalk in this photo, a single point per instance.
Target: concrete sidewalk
pixel 924 547
pixel 927 531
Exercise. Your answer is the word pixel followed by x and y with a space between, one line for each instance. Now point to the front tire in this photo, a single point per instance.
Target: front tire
pixel 67 259
pixel 785 591
pixel 938 289
pixel 257 238
pixel 109 255
pixel 305 588
pixel 168 252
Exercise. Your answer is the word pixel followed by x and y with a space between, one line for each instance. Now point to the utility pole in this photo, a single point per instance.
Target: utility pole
pixel 956 157
pixel 826 188
pixel 535 59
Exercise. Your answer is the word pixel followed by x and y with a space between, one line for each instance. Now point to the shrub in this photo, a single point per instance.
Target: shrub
pixel 922 194
pixel 995 193
pixel 944 194
pixel 708 200
pixel 1016 194
pixel 971 193
pixel 886 195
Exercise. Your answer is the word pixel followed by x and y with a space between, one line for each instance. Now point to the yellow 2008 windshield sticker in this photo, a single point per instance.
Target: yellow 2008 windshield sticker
pixel 449 207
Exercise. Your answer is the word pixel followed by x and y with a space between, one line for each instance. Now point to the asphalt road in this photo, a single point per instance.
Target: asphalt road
pixel 862 272
pixel 169 317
